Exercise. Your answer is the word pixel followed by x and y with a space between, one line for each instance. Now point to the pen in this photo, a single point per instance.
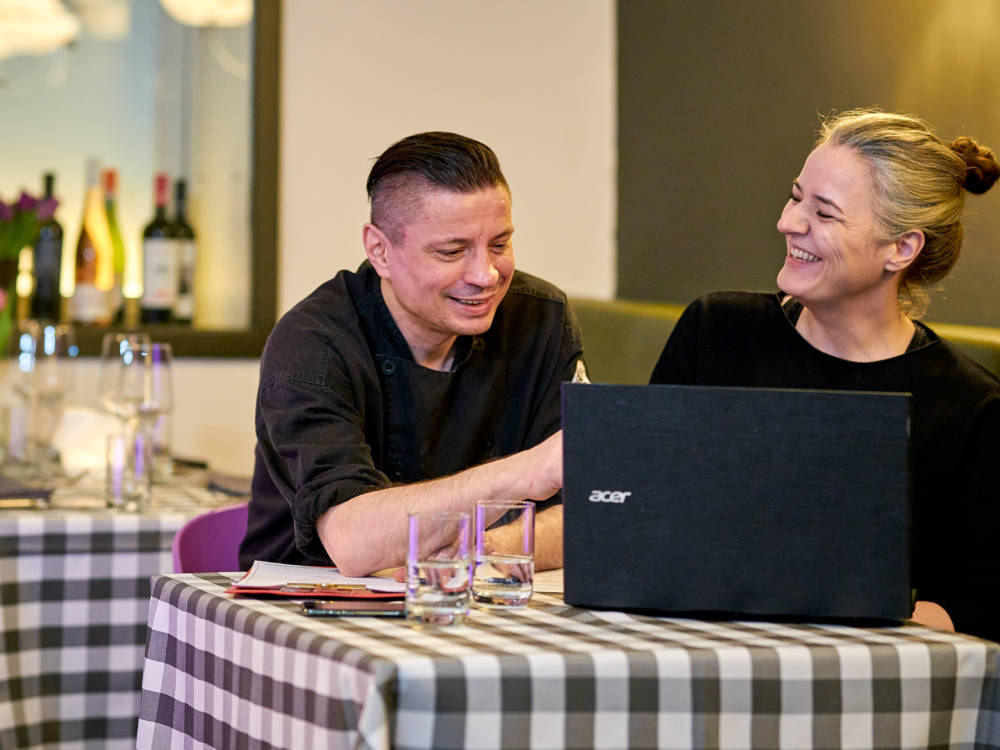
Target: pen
pixel 18 503
pixel 326 586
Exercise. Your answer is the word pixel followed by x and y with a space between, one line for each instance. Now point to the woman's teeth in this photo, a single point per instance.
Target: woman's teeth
pixel 803 255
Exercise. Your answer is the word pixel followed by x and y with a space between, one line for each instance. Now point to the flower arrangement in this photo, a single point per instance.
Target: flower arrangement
pixel 19 223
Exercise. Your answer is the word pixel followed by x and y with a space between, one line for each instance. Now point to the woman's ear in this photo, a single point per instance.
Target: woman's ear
pixel 376 248
pixel 905 250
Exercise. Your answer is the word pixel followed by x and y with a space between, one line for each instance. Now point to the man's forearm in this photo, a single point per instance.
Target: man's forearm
pixel 368 532
pixel 548 537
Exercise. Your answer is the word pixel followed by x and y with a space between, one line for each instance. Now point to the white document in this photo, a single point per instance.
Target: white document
pixel 263 575
pixel 548 582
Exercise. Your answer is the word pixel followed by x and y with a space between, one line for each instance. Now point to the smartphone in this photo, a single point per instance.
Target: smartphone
pixel 363 607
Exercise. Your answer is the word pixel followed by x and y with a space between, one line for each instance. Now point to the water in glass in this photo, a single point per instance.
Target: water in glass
pixel 503 580
pixel 438 566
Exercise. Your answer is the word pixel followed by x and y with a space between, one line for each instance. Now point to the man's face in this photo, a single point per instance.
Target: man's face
pixel 448 265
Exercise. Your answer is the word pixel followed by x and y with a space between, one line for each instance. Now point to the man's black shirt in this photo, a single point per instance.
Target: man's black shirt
pixel 344 409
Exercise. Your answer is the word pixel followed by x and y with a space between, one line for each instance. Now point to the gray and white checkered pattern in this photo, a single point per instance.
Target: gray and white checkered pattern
pixel 74 600
pixel 254 673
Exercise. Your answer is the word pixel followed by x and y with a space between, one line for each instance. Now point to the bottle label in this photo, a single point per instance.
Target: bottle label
pixel 89 304
pixel 186 254
pixel 159 273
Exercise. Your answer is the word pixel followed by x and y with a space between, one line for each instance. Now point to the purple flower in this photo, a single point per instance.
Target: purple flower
pixel 26 202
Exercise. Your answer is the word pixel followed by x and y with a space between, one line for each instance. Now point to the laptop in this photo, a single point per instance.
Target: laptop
pixel 722 502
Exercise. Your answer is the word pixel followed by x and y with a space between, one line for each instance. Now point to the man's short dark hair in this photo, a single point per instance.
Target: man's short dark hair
pixel 444 160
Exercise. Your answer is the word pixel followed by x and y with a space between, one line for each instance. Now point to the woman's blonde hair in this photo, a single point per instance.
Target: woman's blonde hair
pixel 919 182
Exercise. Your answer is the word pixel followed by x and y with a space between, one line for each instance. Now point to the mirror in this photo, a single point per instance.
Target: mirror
pixel 146 94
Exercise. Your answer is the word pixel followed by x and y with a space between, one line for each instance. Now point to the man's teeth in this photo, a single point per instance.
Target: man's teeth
pixel 803 255
pixel 472 302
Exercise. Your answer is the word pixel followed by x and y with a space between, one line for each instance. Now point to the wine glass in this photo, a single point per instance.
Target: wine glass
pixel 43 375
pixel 121 381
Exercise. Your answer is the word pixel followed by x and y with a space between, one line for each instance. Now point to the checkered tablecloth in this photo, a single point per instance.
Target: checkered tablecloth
pixel 74 599
pixel 253 673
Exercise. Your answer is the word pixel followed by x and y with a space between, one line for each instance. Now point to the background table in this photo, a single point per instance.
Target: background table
pixel 256 674
pixel 74 599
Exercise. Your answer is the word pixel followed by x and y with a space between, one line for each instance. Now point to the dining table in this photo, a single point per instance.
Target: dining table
pixel 74 598
pixel 225 670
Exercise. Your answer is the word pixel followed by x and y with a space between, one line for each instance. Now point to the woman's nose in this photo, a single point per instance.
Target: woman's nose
pixel 792 219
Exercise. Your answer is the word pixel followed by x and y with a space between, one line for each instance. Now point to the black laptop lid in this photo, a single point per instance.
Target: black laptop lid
pixel 737 501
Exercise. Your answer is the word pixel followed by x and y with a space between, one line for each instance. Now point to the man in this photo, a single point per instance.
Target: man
pixel 426 380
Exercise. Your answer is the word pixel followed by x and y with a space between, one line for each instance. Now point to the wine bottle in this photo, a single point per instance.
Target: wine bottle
pixel 47 263
pixel 94 264
pixel 110 181
pixel 186 254
pixel 159 260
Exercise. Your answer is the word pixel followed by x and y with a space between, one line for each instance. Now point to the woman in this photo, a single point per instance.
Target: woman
pixel 873 217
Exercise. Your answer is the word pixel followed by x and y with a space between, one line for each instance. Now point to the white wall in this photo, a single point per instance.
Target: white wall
pixel 534 79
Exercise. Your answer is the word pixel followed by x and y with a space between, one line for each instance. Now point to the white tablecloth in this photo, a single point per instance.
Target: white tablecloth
pixel 255 673
pixel 74 587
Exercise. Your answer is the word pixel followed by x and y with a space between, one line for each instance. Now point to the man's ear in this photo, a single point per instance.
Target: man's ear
pixel 376 248
pixel 905 250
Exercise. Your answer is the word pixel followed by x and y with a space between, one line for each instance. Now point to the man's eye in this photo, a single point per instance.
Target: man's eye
pixel 450 253
pixel 793 197
pixel 822 215
pixel 501 247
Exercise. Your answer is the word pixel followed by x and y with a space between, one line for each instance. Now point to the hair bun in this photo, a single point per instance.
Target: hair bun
pixel 981 167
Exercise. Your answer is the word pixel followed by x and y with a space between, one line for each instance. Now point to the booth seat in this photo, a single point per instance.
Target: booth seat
pixel 622 340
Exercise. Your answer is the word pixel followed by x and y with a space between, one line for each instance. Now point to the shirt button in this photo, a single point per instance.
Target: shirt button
pixel 478 344
pixel 388 367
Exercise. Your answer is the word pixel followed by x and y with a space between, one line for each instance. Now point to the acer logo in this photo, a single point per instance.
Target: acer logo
pixel 608 496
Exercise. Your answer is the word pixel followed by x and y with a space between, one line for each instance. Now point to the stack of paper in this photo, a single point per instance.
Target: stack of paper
pixel 308 581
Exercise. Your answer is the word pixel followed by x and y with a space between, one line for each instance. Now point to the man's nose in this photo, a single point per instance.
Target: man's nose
pixel 480 269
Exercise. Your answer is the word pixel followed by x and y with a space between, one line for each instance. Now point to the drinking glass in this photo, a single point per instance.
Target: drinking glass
pixel 44 372
pixel 136 382
pixel 128 476
pixel 437 567
pixel 505 554
pixel 158 396
pixel 159 404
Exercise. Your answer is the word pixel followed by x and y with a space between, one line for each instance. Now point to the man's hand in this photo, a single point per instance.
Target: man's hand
pixel 542 468
pixel 933 615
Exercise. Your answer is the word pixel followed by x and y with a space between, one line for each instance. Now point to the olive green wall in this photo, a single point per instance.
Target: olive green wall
pixel 718 107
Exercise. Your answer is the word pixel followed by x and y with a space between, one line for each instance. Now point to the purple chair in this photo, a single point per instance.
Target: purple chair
pixel 210 543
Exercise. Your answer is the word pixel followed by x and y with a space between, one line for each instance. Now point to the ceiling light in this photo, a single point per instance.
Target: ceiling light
pixel 35 27
pixel 209 12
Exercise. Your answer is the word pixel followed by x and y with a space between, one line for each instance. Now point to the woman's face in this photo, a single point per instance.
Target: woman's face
pixel 832 251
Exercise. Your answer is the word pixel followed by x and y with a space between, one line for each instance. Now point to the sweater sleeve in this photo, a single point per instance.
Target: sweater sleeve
pixel 678 360
pixel 312 440
pixel 968 566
